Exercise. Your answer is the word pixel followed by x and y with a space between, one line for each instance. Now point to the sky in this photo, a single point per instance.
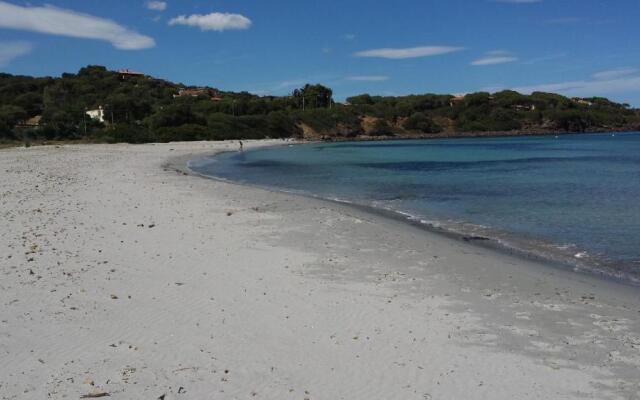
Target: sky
pixel 269 47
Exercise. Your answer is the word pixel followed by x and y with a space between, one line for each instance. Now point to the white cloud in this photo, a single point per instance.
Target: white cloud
pixel 213 22
pixel 368 78
pixel 350 36
pixel 157 5
pixel 57 21
pixel 290 84
pixel 12 50
pixel 615 73
pixel 493 60
pixel 584 88
pixel 495 57
pixel 413 52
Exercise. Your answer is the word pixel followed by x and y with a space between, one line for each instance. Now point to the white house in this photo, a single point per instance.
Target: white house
pixel 97 115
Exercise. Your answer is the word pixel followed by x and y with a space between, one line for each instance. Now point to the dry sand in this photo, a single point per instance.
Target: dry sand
pixel 121 276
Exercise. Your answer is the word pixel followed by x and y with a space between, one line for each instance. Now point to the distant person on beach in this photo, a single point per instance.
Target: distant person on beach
pixel 241 145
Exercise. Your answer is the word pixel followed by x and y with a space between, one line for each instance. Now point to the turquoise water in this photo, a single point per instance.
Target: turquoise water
pixel 575 197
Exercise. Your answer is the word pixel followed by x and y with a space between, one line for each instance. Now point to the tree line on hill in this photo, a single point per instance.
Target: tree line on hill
pixel 138 109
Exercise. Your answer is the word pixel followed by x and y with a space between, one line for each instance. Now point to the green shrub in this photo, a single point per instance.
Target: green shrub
pixel 381 128
pixel 421 123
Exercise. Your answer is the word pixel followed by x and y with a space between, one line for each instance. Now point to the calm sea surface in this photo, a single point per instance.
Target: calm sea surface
pixel 575 198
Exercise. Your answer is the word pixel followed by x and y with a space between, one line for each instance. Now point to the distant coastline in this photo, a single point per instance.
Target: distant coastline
pixel 489 134
pixel 96 105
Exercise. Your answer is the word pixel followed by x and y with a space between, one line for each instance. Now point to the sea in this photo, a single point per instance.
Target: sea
pixel 572 199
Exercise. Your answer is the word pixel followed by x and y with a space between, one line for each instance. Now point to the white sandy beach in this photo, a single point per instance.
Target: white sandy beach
pixel 122 276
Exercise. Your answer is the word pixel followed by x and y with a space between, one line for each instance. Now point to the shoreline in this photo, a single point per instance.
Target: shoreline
pixel 477 134
pixel 124 276
pixel 501 242
pixel 361 138
pixel 492 245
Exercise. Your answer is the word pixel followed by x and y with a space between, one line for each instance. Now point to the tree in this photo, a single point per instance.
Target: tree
pixel 477 99
pixel 381 128
pixel 363 99
pixel 173 115
pixel 508 98
pixel 12 114
pixel 147 109
pixel 314 96
pixel 421 123
pixel 572 121
pixel 9 116
pixel 281 125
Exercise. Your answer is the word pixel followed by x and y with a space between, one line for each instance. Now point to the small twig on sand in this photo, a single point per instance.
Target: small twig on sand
pixel 95 395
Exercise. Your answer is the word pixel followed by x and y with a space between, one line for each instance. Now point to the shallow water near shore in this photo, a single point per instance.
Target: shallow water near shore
pixel 571 198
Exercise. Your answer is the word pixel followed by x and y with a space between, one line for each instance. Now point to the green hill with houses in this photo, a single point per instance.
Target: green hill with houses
pixel 99 105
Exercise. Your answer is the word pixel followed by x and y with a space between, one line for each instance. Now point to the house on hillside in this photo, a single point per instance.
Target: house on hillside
pixel 456 99
pixel 127 73
pixel 524 107
pixel 582 101
pixel 97 114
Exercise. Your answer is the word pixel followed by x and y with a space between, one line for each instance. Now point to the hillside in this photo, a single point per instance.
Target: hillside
pixel 130 107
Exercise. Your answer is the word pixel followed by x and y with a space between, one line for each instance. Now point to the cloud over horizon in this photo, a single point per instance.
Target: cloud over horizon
pixel 57 21
pixel 411 52
pixel 213 22
pixel 595 87
pixel 495 57
pixel 615 73
pixel 12 50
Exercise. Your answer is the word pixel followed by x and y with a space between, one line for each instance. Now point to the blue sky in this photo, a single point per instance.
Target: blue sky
pixel 574 47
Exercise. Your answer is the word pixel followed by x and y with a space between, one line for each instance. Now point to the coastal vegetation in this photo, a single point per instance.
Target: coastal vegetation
pixel 99 105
